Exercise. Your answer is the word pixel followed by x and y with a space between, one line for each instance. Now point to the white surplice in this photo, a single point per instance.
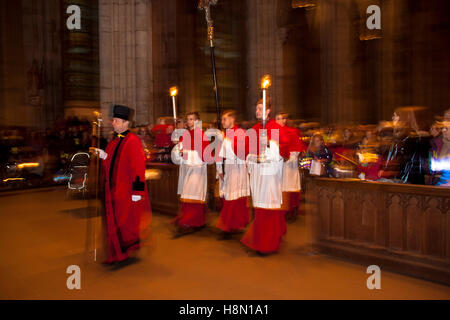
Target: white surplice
pixel 192 178
pixel 235 184
pixel 266 178
pixel 291 174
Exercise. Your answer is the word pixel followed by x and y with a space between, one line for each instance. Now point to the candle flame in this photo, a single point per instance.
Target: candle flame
pixel 28 165
pixel 266 82
pixel 173 91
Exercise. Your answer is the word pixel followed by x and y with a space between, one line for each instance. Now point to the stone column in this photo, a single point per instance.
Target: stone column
pixel 335 65
pixel 265 55
pixel 30 66
pixel 164 74
pixel 388 24
pixel 14 109
pixel 125 26
pixel 80 61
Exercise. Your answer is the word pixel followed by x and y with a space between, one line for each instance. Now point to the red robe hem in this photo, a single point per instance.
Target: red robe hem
pixel 266 231
pixel 191 215
pixel 294 200
pixel 234 215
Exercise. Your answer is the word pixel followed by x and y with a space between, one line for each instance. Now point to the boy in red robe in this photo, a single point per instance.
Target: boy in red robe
pixel 290 148
pixel 234 185
pixel 265 166
pixel 192 179
pixel 127 205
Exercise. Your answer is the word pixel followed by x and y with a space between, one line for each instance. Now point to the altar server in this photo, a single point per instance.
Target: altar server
pixel 233 177
pixel 290 148
pixel 265 166
pixel 192 179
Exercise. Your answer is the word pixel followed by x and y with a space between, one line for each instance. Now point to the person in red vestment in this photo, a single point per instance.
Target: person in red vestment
pixel 233 184
pixel 162 133
pixel 265 166
pixel 127 204
pixel 290 148
pixel 192 179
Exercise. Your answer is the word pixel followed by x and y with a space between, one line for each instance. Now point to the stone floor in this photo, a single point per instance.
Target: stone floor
pixel 42 234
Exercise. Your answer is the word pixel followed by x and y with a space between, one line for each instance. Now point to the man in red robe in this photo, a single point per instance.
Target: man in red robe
pixel 192 179
pixel 233 184
pixel 265 166
pixel 128 210
pixel 290 148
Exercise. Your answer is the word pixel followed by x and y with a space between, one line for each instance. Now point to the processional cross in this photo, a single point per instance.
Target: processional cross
pixel 206 5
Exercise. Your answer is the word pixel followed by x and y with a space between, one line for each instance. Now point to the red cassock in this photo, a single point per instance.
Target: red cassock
pixel 235 212
pixel 269 225
pixel 234 215
pixel 127 221
pixel 271 127
pixel 192 211
pixel 266 230
pixel 240 142
pixel 296 144
pixel 162 134
pixel 293 144
pixel 290 141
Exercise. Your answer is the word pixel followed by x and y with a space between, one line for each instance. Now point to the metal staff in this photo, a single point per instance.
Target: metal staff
pixel 97 175
pixel 206 5
pixel 98 125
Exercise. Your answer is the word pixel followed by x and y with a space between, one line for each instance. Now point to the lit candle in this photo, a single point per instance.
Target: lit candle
pixel 265 84
pixel 173 94
pixel 264 105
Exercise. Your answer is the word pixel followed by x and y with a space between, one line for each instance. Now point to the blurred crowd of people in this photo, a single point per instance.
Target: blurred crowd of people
pixel 405 149
pixel 27 154
pixel 402 150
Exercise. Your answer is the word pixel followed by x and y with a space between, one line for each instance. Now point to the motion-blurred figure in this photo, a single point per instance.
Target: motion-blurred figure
pixel 321 156
pixel 128 211
pixel 192 180
pixel 407 158
pixel 440 161
pixel 290 148
pixel 233 183
pixel 266 175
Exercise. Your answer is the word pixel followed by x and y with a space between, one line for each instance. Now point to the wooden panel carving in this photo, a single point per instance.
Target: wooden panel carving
pixel 324 212
pixel 368 216
pixel 337 215
pixel 413 225
pixel 434 229
pixel 395 212
pixel 163 190
pixel 352 223
pixel 400 227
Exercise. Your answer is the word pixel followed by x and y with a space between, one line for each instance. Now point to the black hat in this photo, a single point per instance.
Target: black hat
pixel 121 112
